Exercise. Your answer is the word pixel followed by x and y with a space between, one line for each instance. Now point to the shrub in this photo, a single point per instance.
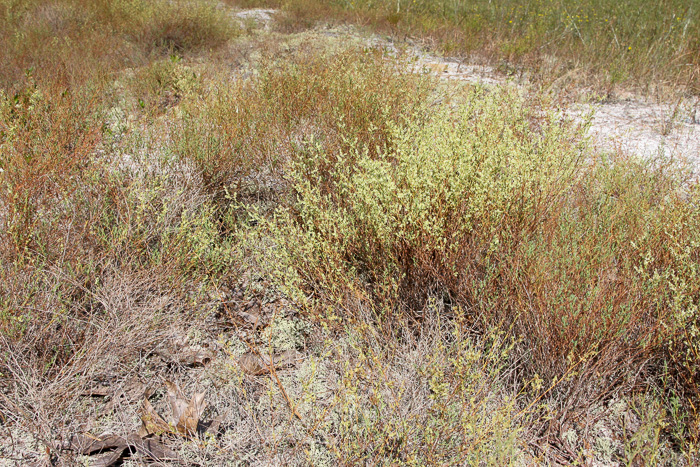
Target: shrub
pixel 444 197
pixel 245 132
pixel 499 208
pixel 182 25
pixel 70 218
pixel 46 139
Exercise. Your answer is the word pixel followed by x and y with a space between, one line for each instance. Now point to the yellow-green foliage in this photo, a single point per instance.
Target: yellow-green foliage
pixel 470 181
pixel 417 231
pixel 244 129
pixel 500 208
pixel 431 396
pixel 467 418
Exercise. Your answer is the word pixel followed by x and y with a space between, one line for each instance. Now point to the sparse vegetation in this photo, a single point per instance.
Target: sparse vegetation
pixel 604 44
pixel 353 262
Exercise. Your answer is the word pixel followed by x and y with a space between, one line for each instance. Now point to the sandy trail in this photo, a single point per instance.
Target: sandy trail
pixel 645 129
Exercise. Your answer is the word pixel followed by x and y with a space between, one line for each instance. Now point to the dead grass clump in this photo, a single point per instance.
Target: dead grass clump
pixel 166 26
pixel 431 394
pixel 96 248
pixel 64 355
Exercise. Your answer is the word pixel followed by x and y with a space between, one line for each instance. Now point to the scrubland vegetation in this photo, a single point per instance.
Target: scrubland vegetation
pixel 602 45
pixel 464 280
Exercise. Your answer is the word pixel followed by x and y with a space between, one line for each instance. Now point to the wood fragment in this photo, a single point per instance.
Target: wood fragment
pixel 117 448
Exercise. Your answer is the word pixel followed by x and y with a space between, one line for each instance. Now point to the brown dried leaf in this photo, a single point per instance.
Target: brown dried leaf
pixel 188 422
pixel 152 423
pixel 178 403
pixel 152 448
pixel 113 458
pixel 116 448
pixel 185 414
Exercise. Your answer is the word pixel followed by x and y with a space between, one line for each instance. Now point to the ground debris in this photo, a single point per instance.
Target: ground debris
pixel 193 356
pixel 185 414
pixel 114 449
pixel 147 442
pixel 258 364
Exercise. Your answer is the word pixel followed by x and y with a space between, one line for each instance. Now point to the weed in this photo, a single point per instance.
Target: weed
pixel 459 282
pixel 44 36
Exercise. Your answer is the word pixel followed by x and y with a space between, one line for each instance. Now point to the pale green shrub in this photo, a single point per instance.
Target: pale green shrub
pixel 498 207
pixel 450 194
pixel 243 133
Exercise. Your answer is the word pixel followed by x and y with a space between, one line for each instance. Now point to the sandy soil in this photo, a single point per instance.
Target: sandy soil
pixel 645 129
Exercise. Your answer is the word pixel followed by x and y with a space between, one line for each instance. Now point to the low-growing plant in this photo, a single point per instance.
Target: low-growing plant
pixel 71 218
pixel 501 209
pixel 46 139
pixel 71 42
pixel 431 394
pixel 465 280
pixel 245 132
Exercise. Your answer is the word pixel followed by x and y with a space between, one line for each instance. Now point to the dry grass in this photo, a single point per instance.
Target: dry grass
pixel 244 133
pixel 475 209
pixel 607 46
pixel 71 42
pixel 466 281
